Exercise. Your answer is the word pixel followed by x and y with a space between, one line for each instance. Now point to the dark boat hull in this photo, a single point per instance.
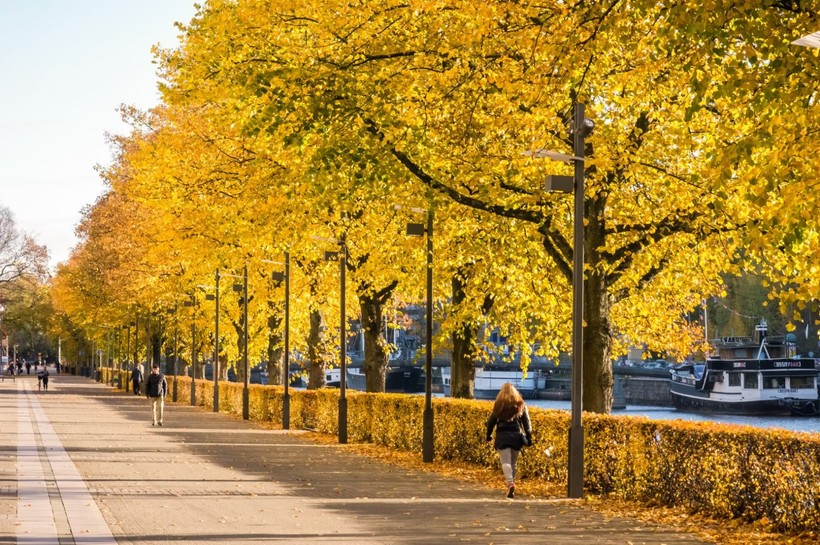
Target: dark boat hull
pixel 402 379
pixel 689 399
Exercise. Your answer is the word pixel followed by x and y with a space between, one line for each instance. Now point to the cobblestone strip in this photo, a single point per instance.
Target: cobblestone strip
pixel 84 517
pixel 35 519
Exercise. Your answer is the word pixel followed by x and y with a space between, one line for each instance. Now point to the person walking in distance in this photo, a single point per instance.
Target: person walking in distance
pixel 513 431
pixel 155 389
pixel 42 376
pixel 136 378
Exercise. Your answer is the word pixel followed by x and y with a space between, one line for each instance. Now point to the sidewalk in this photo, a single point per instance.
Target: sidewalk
pixel 82 464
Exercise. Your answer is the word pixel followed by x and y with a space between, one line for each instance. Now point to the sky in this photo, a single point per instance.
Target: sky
pixel 65 68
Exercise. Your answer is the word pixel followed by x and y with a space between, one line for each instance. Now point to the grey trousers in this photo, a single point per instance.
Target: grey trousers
pixel 509 457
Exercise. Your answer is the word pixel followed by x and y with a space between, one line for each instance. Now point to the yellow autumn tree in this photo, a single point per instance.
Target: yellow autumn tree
pixel 454 91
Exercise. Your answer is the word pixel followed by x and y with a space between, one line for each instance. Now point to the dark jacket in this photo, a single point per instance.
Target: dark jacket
pixel 156 386
pixel 136 374
pixel 514 434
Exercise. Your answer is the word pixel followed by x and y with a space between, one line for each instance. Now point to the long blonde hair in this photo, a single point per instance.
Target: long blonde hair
pixel 508 403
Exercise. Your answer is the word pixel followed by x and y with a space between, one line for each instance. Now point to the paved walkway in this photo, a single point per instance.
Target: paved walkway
pixel 81 463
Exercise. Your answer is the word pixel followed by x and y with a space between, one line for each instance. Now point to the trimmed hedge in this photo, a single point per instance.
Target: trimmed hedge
pixel 721 470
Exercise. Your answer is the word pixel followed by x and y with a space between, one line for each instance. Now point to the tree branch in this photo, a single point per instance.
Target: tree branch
pixel 471 202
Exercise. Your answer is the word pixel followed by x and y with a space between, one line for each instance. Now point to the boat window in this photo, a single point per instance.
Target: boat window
pixel 801 383
pixel 771 383
pixel 734 379
pixel 750 381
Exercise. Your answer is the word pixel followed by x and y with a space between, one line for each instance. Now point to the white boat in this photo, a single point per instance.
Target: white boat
pixel 759 375
pixel 333 378
pixel 488 382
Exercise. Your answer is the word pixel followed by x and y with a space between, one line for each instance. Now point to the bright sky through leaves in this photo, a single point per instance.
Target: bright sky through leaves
pixel 66 67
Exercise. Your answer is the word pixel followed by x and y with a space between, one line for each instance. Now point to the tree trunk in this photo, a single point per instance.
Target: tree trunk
pixel 223 368
pixel 376 356
pixel 276 347
pixel 317 356
pixel 156 344
pixel 465 349
pixel 276 357
pixel 462 370
pixel 598 376
pixel 169 356
pixel 239 367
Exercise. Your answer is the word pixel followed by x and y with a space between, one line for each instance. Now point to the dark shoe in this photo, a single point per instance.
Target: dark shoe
pixel 160 423
pixel 511 491
pixel 153 423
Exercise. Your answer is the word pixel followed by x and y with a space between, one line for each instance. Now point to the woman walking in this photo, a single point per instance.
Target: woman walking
pixel 511 423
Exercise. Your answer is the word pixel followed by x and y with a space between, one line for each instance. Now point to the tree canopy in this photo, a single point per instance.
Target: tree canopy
pixel 287 120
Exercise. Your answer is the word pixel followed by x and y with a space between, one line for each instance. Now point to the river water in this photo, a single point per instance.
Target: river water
pixel 793 423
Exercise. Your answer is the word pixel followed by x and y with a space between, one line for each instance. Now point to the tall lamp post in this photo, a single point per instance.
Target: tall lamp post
pixel 246 413
pixel 280 276
pixel 215 365
pixel 192 303
pixel 428 438
pixel 342 343
pixel 581 128
pixel 243 288
pixel 176 347
pixel 109 357
pixel 115 350
pixel 3 341
pixel 127 357
pixel 136 325
pixel 149 348
pixel 120 353
pixel 341 255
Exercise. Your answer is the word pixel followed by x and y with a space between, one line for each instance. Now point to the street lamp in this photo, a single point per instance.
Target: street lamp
pixel 128 356
pixel 581 128
pixel 341 255
pixel 118 352
pixel 149 349
pixel 136 325
pixel 279 276
pixel 246 390
pixel 109 357
pixel 215 365
pixel 192 304
pixel 176 343
pixel 428 438
pixel 3 339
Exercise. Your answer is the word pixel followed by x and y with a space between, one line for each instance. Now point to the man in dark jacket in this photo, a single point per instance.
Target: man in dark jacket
pixel 155 389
